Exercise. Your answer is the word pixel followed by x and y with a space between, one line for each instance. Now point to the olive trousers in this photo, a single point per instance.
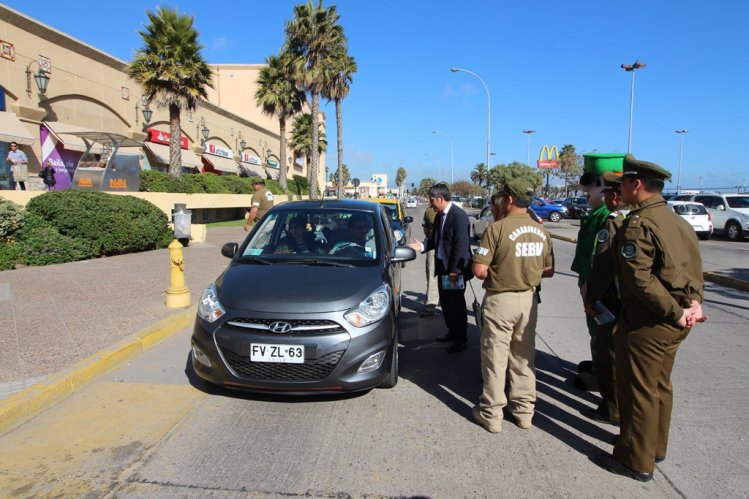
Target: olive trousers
pixel 644 360
pixel 508 340
pixel 432 294
pixel 604 369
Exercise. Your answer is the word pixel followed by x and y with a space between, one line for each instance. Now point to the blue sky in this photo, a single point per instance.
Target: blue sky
pixel 550 66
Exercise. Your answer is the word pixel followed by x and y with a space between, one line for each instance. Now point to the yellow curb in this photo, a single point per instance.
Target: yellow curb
pixel 26 404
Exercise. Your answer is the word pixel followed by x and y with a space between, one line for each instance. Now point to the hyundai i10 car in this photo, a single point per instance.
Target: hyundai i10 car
pixel 308 304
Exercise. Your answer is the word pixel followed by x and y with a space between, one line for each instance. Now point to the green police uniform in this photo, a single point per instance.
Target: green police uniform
pixel 658 264
pixel 432 294
pixel 603 288
pixel 516 250
pixel 263 200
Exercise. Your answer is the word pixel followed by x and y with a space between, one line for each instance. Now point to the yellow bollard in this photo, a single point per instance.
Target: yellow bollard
pixel 177 296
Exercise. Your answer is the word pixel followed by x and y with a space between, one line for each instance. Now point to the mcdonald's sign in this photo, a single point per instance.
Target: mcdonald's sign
pixel 552 157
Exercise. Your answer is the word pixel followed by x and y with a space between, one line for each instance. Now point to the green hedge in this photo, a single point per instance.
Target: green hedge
pixel 194 183
pixel 11 218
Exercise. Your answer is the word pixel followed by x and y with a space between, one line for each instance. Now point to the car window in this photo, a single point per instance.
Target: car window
pixel 486 214
pixel 709 201
pixel 326 234
pixel 738 201
pixel 392 210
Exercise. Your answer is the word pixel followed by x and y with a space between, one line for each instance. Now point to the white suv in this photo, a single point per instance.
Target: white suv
pixel 729 212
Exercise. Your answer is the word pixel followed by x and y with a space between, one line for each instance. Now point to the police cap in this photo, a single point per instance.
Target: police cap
pixel 517 187
pixel 636 168
pixel 258 180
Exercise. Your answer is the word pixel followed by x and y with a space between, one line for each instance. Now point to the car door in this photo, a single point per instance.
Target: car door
pixel 540 207
pixel 483 221
pixel 713 205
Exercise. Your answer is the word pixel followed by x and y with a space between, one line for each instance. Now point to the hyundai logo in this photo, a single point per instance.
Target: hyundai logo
pixel 280 327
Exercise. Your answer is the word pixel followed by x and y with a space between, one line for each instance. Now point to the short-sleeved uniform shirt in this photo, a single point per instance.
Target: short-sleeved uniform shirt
pixel 263 201
pixel 516 249
pixel 658 263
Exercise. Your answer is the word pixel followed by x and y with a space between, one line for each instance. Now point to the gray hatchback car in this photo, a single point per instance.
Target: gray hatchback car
pixel 308 304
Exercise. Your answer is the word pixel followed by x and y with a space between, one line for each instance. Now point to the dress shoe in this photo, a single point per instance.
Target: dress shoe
pixel 490 426
pixel 427 311
pixel 447 338
pixel 611 464
pixel 660 459
pixel 585 366
pixel 599 416
pixel 457 346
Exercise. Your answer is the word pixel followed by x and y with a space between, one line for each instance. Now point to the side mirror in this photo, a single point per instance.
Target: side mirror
pixel 722 207
pixel 408 220
pixel 229 250
pixel 403 254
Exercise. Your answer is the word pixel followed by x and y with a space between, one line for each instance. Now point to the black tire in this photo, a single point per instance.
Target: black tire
pixel 733 231
pixel 555 216
pixel 704 236
pixel 391 379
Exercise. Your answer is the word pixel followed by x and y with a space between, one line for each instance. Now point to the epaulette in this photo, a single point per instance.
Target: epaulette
pixel 634 221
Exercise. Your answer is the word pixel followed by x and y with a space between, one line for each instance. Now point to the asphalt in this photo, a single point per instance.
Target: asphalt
pixel 64 325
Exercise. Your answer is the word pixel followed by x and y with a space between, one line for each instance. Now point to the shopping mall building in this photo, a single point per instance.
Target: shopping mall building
pixel 87 90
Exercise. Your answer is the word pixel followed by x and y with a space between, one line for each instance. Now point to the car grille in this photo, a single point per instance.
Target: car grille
pixel 297 326
pixel 311 370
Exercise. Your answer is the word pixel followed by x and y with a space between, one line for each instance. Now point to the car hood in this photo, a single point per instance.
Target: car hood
pixel 296 288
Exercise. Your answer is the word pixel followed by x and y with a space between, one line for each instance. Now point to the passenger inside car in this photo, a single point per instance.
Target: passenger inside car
pixel 298 239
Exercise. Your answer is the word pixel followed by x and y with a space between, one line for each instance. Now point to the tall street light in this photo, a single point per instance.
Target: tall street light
pixel 681 151
pixel 631 69
pixel 528 133
pixel 452 155
pixel 488 114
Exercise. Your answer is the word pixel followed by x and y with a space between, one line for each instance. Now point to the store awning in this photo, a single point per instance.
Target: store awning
pixel 272 172
pixel 161 153
pixel 61 132
pixel 11 130
pixel 252 170
pixel 222 164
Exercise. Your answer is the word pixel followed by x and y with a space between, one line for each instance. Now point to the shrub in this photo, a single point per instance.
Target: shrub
pixel 236 185
pixel 153 181
pixel 8 255
pixel 11 218
pixel 203 183
pixel 107 223
pixel 301 183
pixel 44 245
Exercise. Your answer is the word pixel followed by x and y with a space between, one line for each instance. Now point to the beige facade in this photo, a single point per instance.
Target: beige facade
pixel 91 90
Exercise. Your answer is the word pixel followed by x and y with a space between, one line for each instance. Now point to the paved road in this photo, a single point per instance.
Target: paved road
pixel 151 429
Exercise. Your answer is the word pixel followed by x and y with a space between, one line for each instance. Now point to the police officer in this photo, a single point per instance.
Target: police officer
pixel 658 264
pixel 513 255
pixel 431 297
pixel 261 202
pixel 602 295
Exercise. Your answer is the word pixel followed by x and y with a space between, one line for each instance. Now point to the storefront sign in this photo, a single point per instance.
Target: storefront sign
pixel 164 137
pixel 249 158
pixel 218 151
pixel 272 163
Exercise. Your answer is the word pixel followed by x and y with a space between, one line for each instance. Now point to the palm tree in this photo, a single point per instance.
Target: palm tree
pixel 301 139
pixel 341 68
pixel 277 94
pixel 480 175
pixel 172 71
pixel 311 37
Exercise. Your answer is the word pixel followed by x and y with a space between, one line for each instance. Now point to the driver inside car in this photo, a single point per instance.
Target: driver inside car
pixel 358 228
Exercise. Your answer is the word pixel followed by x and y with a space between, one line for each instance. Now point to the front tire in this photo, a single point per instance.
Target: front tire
pixel 391 379
pixel 733 232
pixel 555 216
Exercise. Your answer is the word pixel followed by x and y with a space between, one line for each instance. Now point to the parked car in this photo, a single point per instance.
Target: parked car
pixel 320 321
pixel 697 216
pixel 483 219
pixel 550 211
pixel 411 203
pixel 577 207
pixel 457 201
pixel 400 223
pixel 729 212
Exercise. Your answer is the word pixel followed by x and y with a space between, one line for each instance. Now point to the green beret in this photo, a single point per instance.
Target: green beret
pixel 599 162
pixel 634 167
pixel 517 187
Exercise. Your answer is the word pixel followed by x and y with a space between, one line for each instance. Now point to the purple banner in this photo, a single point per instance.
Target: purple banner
pixel 63 161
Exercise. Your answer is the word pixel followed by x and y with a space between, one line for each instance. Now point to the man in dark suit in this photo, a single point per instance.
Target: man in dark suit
pixel 450 239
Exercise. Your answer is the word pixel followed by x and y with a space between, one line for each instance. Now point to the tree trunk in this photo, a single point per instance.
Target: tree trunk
pixel 339 137
pixel 282 154
pixel 314 192
pixel 175 150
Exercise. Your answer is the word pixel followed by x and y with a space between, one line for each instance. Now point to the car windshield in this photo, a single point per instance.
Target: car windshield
pixel 738 201
pixel 321 236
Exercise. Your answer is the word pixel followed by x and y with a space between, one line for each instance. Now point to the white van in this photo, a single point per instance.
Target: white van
pixel 729 212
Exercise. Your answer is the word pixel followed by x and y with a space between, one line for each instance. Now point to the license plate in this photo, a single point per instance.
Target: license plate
pixel 284 354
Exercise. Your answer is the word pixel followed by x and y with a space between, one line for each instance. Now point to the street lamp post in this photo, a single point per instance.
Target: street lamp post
pixel 681 152
pixel 528 133
pixel 452 155
pixel 631 69
pixel 488 113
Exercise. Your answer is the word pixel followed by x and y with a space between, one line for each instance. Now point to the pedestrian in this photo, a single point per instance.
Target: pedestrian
pixel 602 304
pixel 48 175
pixel 450 241
pixel 19 167
pixel 513 256
pixel 431 297
pixel 261 202
pixel 658 264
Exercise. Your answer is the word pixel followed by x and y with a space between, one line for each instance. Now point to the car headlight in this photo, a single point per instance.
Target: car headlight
pixel 371 309
pixel 209 307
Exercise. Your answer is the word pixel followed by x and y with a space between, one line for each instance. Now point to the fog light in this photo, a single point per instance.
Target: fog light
pixel 198 355
pixel 372 362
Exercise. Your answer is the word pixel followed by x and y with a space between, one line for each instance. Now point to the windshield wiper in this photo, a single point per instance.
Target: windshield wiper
pixel 254 259
pixel 322 263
